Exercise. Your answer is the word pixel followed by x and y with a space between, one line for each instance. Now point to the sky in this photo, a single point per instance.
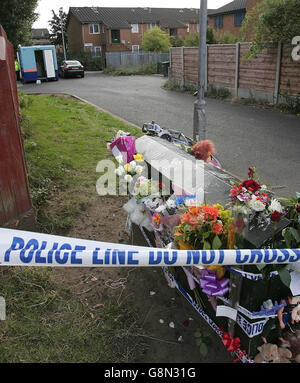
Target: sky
pixel 45 6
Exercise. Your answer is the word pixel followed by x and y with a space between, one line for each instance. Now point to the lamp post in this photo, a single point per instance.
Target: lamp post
pixel 62 32
pixel 200 104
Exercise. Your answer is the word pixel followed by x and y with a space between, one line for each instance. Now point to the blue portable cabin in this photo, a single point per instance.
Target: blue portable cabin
pixel 38 62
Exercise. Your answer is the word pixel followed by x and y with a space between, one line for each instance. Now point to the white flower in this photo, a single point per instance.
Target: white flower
pixel 128 178
pixel 108 145
pixel 119 159
pixel 132 164
pixel 170 204
pixel 275 205
pixel 120 171
pixel 139 169
pixel 160 209
pixel 263 187
pixel 256 204
pixel 191 202
pixel 121 133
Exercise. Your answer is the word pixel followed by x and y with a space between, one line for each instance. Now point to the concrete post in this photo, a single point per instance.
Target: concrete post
pixel 237 69
pixel 182 67
pixel 199 133
pixel 278 70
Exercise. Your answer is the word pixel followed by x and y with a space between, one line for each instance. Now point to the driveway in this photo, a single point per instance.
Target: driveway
pixel 243 135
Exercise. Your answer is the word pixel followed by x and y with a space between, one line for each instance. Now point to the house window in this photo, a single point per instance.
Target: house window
pixel 239 18
pixel 135 48
pixel 151 25
pixel 218 21
pixel 115 35
pixel 198 27
pixel 188 28
pixel 94 29
pixel 173 31
pixel 134 28
pixel 97 51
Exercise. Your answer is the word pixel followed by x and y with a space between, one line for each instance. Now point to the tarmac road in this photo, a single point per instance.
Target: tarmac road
pixel 243 135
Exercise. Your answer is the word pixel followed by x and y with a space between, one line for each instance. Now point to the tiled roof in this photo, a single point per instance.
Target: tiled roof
pixel 39 33
pixel 124 17
pixel 235 5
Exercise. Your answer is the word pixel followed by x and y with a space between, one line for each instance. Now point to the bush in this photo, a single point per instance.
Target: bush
pixel 156 40
pixel 220 92
pixel 87 60
pixel 228 38
pixel 176 41
pixel 291 105
pixel 143 69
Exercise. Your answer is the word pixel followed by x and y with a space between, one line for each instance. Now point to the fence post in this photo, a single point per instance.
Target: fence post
pixel 206 70
pixel 182 66
pixel 278 70
pixel 237 69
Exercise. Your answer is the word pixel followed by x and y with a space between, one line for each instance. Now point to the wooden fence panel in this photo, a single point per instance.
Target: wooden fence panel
pixel 290 73
pixel 14 191
pixel 224 68
pixel 258 73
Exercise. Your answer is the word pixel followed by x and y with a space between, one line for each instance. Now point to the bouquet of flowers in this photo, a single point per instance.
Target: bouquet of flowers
pixel 206 227
pixel 129 170
pixel 254 201
pixel 148 188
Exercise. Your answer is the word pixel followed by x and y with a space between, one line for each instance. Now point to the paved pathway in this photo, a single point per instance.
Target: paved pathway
pixel 243 135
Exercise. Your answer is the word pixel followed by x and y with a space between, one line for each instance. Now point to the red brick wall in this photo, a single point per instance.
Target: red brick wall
pixel 228 26
pixel 74 32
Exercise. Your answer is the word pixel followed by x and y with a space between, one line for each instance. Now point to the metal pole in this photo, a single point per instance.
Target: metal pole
pixel 62 33
pixel 200 103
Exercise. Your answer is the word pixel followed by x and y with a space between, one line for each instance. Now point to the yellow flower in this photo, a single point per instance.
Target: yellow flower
pixel 127 167
pixel 138 157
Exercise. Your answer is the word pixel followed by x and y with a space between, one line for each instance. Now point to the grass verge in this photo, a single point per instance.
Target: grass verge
pixel 50 319
pixel 64 140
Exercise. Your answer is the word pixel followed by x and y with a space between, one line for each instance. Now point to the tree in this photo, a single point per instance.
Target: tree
pixel 271 21
pixel 156 40
pixel 192 39
pixel 176 41
pixel 17 17
pixel 55 28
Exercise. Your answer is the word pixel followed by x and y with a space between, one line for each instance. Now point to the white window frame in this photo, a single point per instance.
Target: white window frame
pixel 133 48
pixel 134 28
pixel 151 25
pixel 95 50
pixel 93 29
pixel 188 28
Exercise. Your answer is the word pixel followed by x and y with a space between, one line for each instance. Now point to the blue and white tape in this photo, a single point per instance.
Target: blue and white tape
pixel 244 324
pixel 24 248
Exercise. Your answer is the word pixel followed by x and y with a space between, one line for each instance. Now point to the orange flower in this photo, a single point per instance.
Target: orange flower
pixel 217 228
pixel 156 218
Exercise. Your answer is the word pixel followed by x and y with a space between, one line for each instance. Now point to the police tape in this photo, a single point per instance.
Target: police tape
pixel 25 248
pixel 246 326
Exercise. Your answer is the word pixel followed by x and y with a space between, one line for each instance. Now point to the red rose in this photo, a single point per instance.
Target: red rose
pixel 298 208
pixel 251 185
pixel 275 216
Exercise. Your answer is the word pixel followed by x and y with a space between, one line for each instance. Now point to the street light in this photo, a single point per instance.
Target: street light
pixel 62 32
pixel 200 103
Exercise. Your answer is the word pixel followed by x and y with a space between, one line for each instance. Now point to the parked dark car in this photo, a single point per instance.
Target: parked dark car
pixel 71 68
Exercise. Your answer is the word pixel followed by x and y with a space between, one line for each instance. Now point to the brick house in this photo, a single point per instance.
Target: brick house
pixel 229 18
pixel 40 36
pixel 101 29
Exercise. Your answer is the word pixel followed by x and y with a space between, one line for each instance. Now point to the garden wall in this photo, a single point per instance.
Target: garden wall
pixel 272 74
pixel 15 202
